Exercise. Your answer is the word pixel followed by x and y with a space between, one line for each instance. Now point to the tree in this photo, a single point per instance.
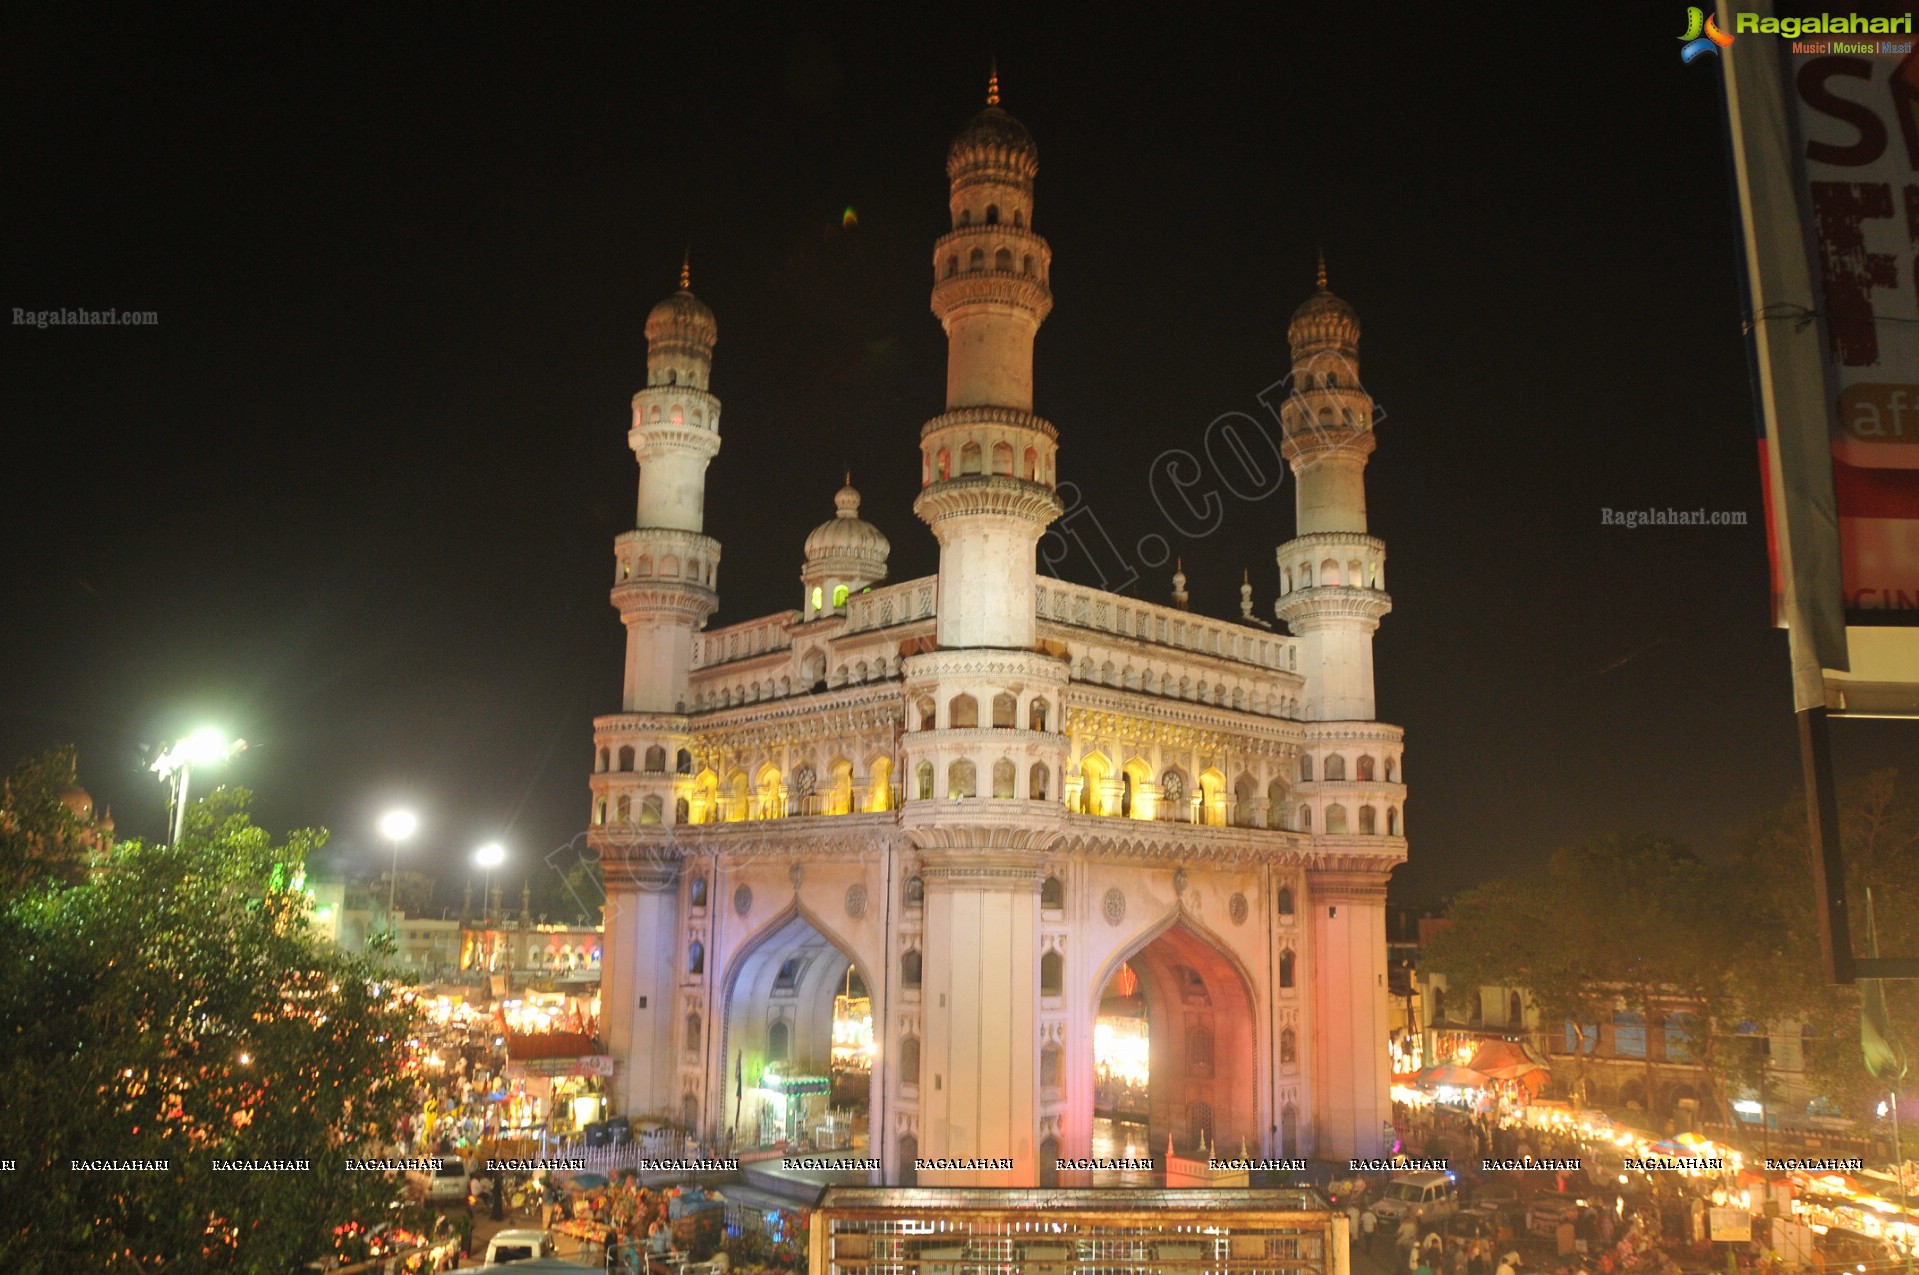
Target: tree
pixel 1630 922
pixel 176 1006
pixel 1781 975
pixel 43 837
pixel 1640 924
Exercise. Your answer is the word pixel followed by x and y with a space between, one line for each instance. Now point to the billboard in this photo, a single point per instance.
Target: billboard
pixel 1826 154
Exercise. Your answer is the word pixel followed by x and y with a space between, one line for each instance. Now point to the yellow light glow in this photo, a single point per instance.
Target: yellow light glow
pixel 1121 1049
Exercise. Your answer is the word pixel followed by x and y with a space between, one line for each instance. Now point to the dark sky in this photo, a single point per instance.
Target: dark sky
pixel 354 496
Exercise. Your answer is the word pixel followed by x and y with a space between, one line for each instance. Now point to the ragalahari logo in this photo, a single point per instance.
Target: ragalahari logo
pixel 1695 44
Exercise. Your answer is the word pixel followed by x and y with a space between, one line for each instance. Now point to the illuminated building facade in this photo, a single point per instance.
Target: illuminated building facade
pixel 1000 800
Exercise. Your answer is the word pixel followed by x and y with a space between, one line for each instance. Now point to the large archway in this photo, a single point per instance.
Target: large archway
pixel 799 1043
pixel 1174 1049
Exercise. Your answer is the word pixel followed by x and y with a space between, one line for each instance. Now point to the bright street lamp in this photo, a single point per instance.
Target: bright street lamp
pixel 396 826
pixel 175 767
pixel 489 857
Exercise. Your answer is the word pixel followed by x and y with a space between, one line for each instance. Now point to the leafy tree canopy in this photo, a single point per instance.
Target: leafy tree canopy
pixel 1733 946
pixel 175 1005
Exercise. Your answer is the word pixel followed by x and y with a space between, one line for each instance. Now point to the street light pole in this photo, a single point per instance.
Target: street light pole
pixel 489 857
pixel 175 767
pixel 396 826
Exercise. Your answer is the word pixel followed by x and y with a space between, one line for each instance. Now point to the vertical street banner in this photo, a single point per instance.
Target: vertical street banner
pixel 1824 115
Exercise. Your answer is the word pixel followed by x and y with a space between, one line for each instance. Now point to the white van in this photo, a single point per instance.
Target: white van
pixel 517 1246
pixel 1430 1195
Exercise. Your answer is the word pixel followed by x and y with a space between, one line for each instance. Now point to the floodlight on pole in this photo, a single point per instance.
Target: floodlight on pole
pixel 488 857
pixel 205 746
pixel 396 826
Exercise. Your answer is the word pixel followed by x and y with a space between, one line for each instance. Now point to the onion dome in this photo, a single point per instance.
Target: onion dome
pixel 993 140
pixel 1324 322
pixel 683 318
pixel 847 544
pixel 78 802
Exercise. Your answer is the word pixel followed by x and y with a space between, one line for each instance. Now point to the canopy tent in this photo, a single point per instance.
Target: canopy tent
pixel 1508 1060
pixel 1450 1074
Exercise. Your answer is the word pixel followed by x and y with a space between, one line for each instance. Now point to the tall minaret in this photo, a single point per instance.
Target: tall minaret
pixel 665 574
pixel 983 784
pixel 987 462
pixel 668 569
pixel 1333 593
pixel 1333 575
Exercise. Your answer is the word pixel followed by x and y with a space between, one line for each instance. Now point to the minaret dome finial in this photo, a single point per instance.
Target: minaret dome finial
pixel 1322 270
pixel 992 85
pixel 686 271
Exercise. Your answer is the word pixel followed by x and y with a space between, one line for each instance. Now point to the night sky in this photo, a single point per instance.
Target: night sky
pixel 354 496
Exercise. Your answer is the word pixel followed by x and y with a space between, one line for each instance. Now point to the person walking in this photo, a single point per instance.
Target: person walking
pixel 1369 1229
pixel 1406 1237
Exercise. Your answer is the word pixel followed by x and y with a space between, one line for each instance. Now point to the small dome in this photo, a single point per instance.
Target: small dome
pixel 994 127
pixel 1324 320
pixel 682 316
pixel 846 536
pixel 77 800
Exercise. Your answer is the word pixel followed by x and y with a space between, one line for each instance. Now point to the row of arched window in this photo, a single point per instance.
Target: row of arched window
pixel 642 568
pixel 1131 793
pixel 962 713
pixel 1365 769
pixel 963 781
pixel 1369 574
pixel 655 760
pixel 990 217
pixel 938 464
pixel 1002 263
pixel 1337 823
pixel 676 415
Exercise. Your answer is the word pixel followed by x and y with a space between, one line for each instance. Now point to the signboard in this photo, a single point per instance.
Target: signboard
pixel 1730 1225
pixel 1857 177
pixel 586 1065
pixel 1826 153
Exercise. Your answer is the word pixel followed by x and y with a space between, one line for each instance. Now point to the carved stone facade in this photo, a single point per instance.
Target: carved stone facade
pixel 986 792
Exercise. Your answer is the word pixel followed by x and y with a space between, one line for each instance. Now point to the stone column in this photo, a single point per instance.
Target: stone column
pixel 1352 1072
pixel 639 963
pixel 979 1072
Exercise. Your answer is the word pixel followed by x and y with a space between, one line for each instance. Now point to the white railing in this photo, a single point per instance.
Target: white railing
pixel 1085 608
pixel 899 603
pixel 742 641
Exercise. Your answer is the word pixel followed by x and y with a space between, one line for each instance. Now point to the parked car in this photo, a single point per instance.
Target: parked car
pixel 517 1246
pixel 445 1185
pixel 1430 1195
pixel 1480 1223
pixel 1545 1211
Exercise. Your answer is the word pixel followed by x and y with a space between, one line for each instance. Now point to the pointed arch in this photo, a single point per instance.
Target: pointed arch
pixel 756 961
pixel 1094 768
pixel 1205 1052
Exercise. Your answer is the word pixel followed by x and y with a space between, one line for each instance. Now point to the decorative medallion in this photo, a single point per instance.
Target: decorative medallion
pixel 856 900
pixel 1179 881
pixel 1237 908
pixel 796 874
pixel 743 900
pixel 1114 906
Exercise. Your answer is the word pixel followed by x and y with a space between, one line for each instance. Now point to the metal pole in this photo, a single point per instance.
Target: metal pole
pixel 1899 1167
pixel 180 805
pixel 1828 855
pixel 392 881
